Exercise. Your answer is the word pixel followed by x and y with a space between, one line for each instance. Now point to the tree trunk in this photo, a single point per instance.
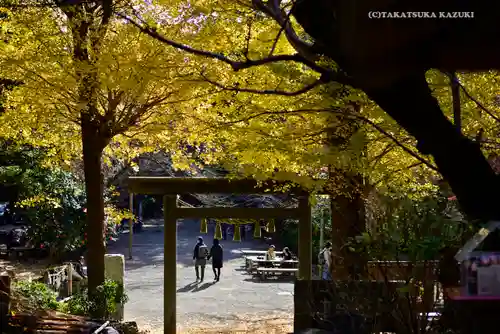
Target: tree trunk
pixel 348 221
pixel 346 191
pixel 93 146
pixel 459 160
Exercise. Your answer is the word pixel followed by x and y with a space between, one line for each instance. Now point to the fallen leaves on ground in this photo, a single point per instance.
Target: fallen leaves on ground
pixel 246 324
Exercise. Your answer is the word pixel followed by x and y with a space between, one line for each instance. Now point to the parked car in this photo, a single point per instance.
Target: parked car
pixel 4 217
pixel 13 237
pixel 18 237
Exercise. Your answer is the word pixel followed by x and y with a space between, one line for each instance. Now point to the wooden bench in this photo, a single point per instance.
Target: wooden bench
pixel 264 271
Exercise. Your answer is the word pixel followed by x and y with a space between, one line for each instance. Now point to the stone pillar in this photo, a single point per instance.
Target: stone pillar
pixel 114 266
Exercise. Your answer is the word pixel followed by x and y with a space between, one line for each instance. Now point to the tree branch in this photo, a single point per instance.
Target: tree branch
pixel 347 116
pixel 396 141
pixel 388 176
pixel 479 104
pixel 273 10
pixel 327 74
pixel 266 91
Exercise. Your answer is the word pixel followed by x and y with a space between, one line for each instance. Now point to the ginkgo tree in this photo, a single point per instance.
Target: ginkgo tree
pixel 90 83
pixel 283 142
pixel 272 43
pixel 291 134
pixel 323 29
pixel 257 98
pixel 102 86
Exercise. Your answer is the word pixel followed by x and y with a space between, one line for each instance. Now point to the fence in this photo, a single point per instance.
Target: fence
pixel 421 274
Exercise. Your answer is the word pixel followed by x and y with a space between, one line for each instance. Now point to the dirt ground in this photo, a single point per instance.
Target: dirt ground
pixel 248 326
pixel 25 270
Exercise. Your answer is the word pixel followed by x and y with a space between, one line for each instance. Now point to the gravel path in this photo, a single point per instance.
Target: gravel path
pixel 233 300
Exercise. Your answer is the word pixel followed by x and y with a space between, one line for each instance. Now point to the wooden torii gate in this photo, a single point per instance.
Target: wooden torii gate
pixel 171 187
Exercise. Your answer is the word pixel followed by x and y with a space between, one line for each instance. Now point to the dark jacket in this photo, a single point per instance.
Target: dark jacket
pixel 216 253
pixel 287 256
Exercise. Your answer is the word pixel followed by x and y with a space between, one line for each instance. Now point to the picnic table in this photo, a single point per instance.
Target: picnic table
pixel 250 252
pixel 253 261
pixel 262 267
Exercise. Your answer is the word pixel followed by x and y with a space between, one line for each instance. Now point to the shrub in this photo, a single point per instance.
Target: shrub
pixel 36 295
pixel 110 294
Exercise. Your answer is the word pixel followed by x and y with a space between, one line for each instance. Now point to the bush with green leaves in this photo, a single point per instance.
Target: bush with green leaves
pixel 289 231
pixel 109 295
pixel 56 219
pixel 49 199
pixel 413 229
pixel 36 295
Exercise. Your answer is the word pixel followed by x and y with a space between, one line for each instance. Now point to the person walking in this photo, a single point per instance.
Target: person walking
pixel 200 254
pixel 216 254
pixel 325 261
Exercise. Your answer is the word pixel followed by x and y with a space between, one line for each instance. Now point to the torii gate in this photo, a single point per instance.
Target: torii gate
pixel 171 187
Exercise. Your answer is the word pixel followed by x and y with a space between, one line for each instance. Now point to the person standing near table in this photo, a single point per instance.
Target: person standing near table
pixel 325 260
pixel 217 255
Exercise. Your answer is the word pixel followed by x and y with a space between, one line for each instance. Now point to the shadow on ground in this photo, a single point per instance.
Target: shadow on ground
pixel 203 286
pixel 256 279
pixel 188 287
pixel 147 247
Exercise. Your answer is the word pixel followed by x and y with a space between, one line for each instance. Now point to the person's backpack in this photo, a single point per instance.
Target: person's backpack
pixel 321 257
pixel 202 251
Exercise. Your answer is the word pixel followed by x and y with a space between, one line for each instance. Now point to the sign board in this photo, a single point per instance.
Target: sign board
pixel 480 270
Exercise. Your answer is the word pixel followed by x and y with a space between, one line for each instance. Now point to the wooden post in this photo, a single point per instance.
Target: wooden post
pixel 131 227
pixel 305 239
pixel 169 264
pixel 321 238
pixel 70 279
pixel 4 300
